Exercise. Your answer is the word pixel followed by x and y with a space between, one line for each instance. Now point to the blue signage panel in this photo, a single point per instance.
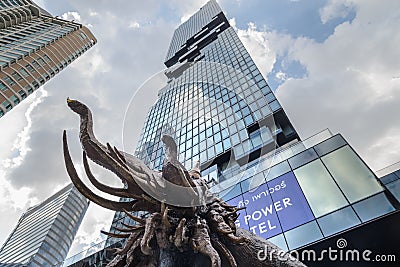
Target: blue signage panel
pixel 272 207
pixel 261 216
pixel 290 203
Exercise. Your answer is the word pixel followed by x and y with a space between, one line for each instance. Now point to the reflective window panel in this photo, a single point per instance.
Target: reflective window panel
pixel 277 170
pixel 303 235
pixel 373 207
pixel 302 158
pixel 279 241
pixel 231 192
pixel 329 145
pixel 338 221
pixel 352 175
pixel 394 188
pixel 322 193
pixel 388 178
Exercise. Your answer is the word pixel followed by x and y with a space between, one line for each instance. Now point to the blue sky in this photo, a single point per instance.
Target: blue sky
pixel 333 64
pixel 295 18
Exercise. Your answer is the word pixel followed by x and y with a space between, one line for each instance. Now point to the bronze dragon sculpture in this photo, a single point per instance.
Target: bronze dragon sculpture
pixel 171 235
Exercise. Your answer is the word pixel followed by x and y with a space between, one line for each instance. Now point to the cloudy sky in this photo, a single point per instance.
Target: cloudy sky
pixel 333 64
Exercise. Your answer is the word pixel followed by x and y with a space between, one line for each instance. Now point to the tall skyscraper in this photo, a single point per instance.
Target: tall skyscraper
pixel 45 232
pixel 217 104
pixel 299 194
pixel 34 46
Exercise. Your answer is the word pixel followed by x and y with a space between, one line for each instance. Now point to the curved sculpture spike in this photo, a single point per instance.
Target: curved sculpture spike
pixel 171 166
pixel 96 151
pixel 225 251
pixel 129 230
pixel 195 171
pixel 115 235
pixel 119 192
pixel 171 150
pixel 136 219
pixel 114 155
pixel 131 240
pixel 119 155
pixel 108 204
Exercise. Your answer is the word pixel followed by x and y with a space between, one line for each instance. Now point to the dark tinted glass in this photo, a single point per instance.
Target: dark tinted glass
pixel 330 145
pixel 302 158
pixel 373 207
pixel 303 235
pixel 388 178
pixel 338 221
pixel 394 188
pixel 230 192
pixel 277 170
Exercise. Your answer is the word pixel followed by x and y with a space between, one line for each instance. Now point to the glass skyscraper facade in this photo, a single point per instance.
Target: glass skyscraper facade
pixel 216 101
pixel 217 105
pixel 34 46
pixel 45 232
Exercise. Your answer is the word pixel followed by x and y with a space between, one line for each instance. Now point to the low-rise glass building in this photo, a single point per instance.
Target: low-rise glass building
pixel 308 193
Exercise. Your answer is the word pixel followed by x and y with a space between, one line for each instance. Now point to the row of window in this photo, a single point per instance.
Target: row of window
pixel 227 49
pixel 24 230
pixel 150 126
pixel 11 3
pixel 276 104
pixel 192 26
pixel 220 52
pixel 25 38
pixel 29 70
pixel 220 95
pixel 41 220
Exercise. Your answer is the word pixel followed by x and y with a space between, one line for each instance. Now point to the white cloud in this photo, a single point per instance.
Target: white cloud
pixel 16 200
pixel 281 75
pixel 134 25
pixel 20 143
pixel 186 8
pixel 88 235
pixel 92 64
pixel 71 15
pixel 93 13
pixel 350 82
pixel 336 9
pixel 257 43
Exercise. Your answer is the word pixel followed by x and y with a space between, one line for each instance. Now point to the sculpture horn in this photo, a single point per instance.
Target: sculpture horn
pixel 119 192
pixel 84 190
pixel 96 151
pixel 195 171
